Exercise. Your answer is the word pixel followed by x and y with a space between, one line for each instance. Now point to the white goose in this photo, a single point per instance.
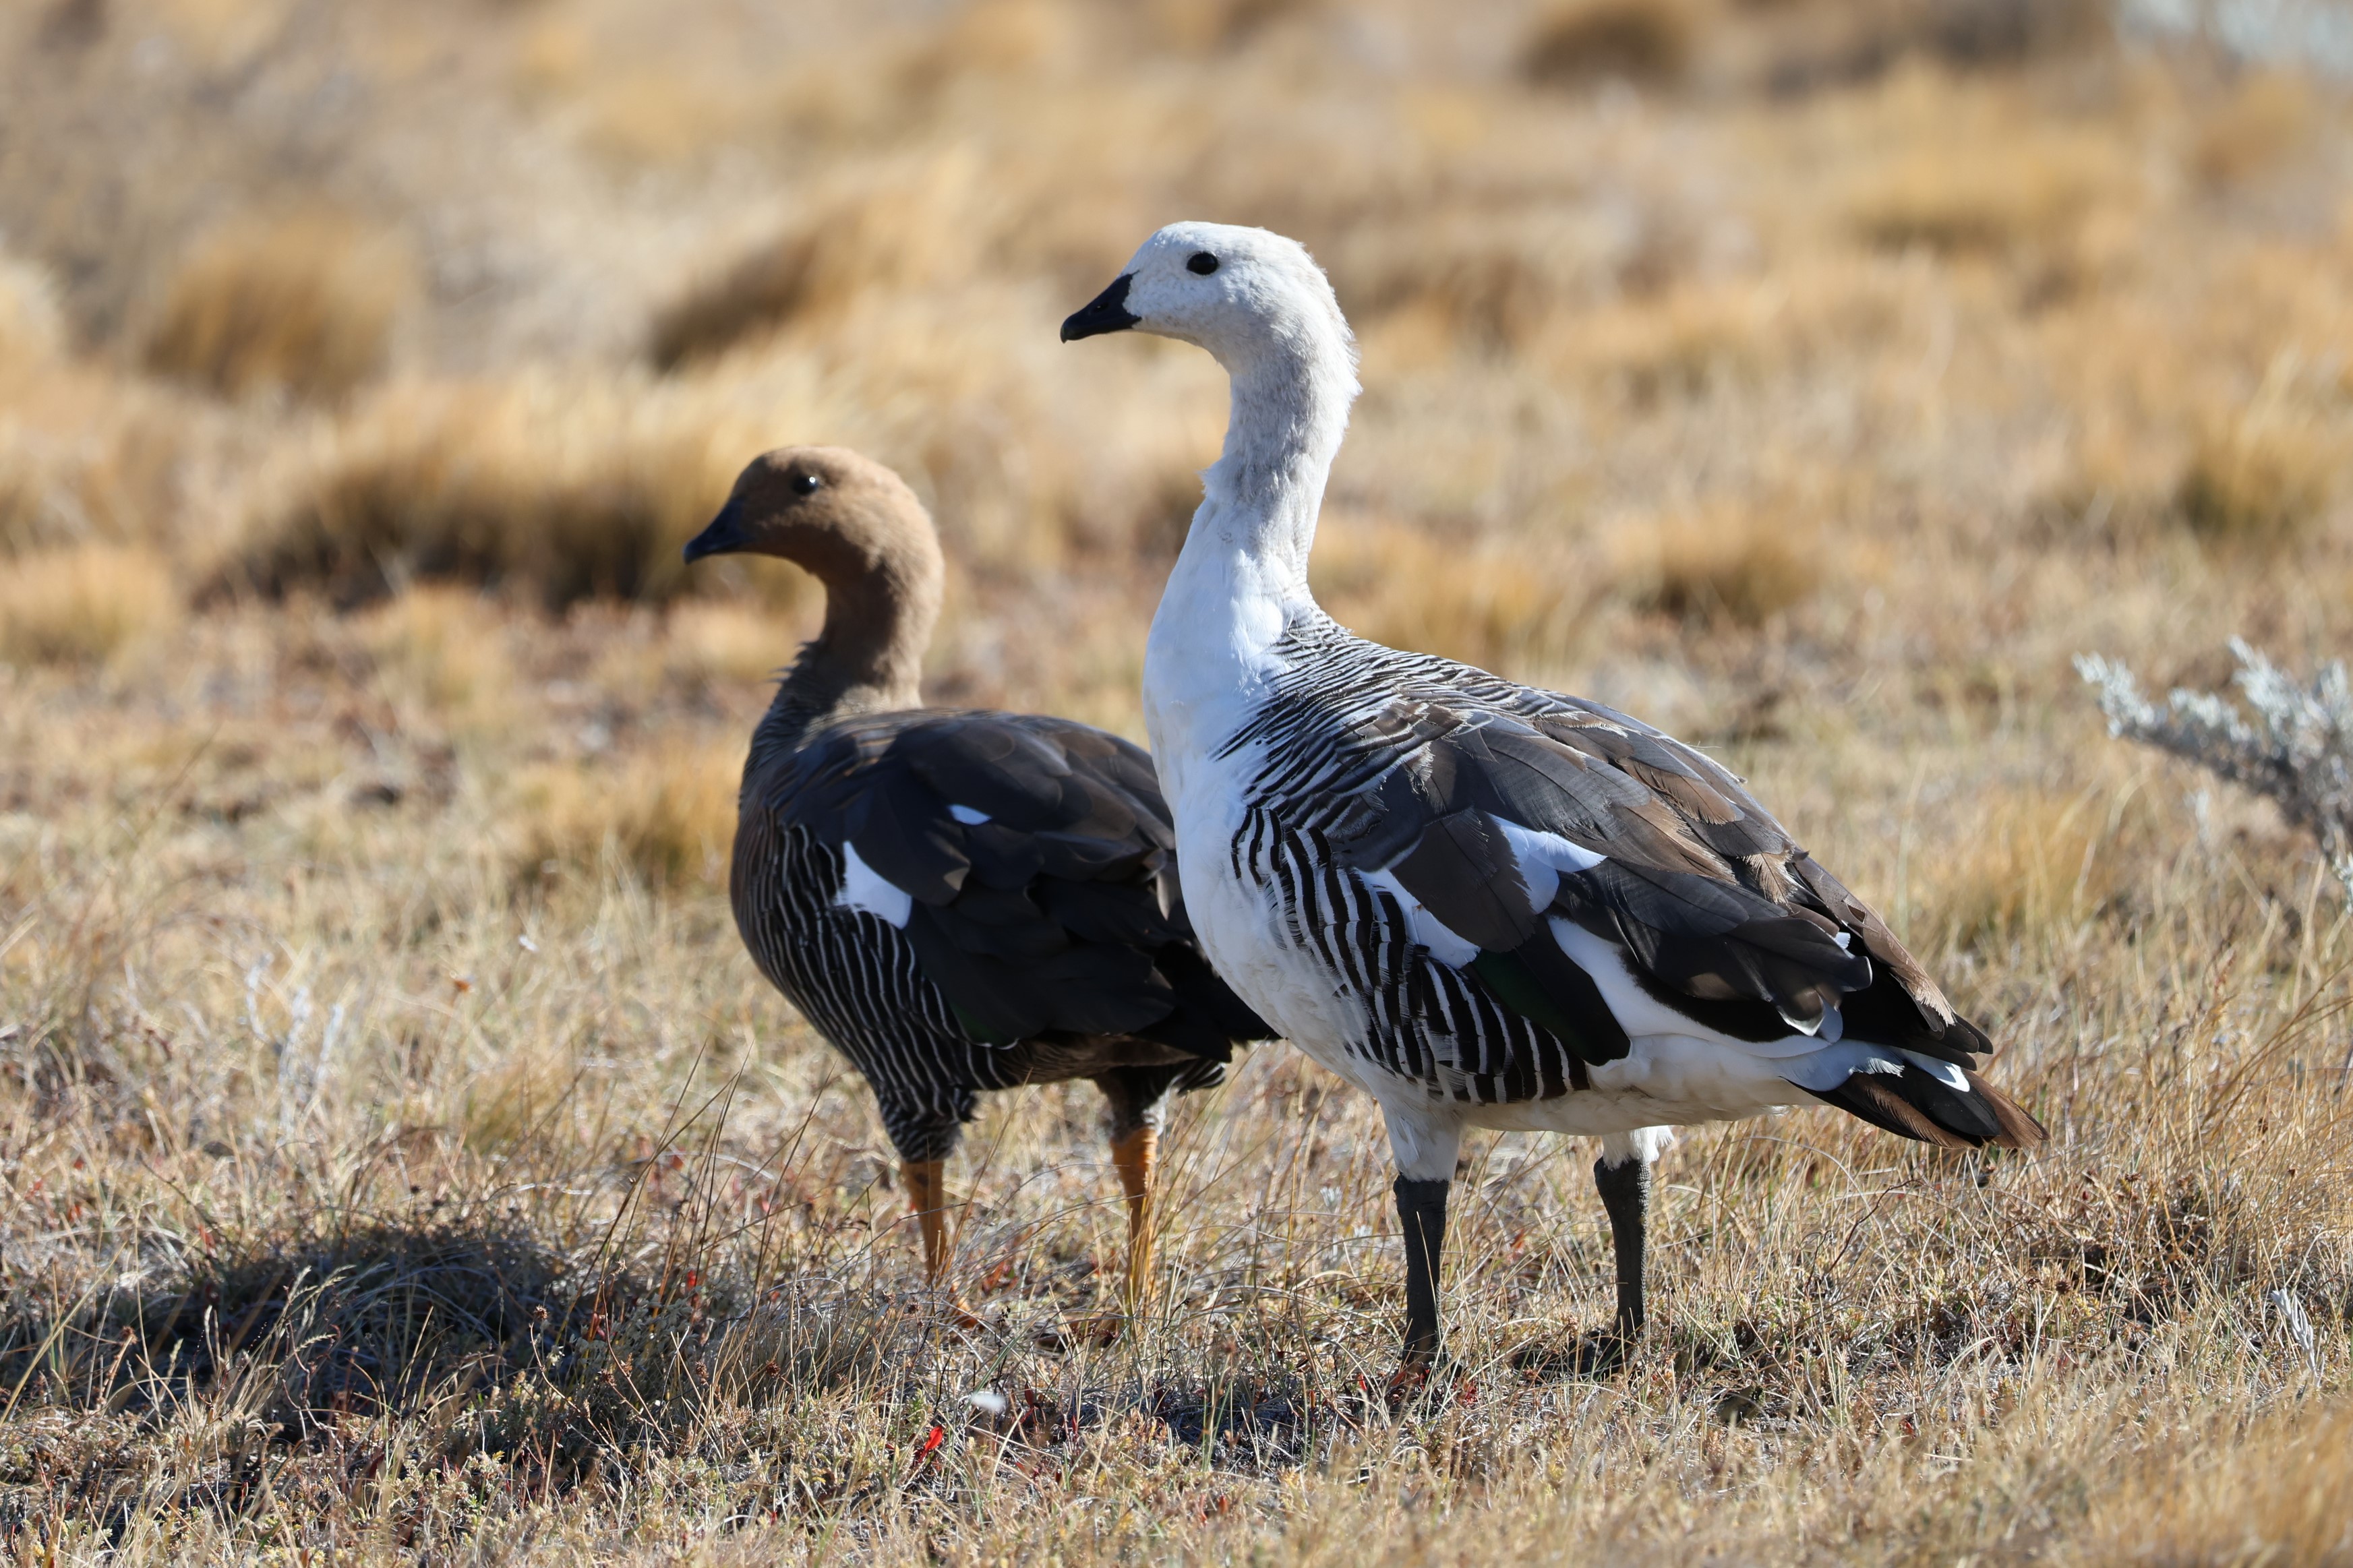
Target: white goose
pixel 1486 904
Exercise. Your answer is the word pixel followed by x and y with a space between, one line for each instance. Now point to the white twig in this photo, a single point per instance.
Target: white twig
pixel 2297 750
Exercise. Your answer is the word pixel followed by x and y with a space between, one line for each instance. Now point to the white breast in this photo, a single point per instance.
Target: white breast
pixel 1208 667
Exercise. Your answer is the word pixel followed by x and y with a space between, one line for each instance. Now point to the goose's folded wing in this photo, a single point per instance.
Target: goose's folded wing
pixel 1028 862
pixel 1563 838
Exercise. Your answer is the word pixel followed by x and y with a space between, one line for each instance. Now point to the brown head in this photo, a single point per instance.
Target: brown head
pixel 856 527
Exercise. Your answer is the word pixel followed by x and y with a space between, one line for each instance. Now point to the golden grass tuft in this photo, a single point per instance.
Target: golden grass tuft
pixel 667 817
pixel 555 494
pixel 1400 585
pixel 1724 564
pixel 304 304
pixel 1203 25
pixel 2005 192
pixel 894 231
pixel 2267 116
pixel 84 605
pixel 2023 859
pixel 31 328
pixel 2275 1494
pixel 2262 477
pixel 731 643
pixel 985 37
pixel 1589 40
pixel 1676 343
pixel 442 652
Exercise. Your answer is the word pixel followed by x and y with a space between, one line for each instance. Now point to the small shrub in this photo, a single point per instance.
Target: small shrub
pixel 1992 33
pixel 304 304
pixel 84 605
pixel 1723 566
pixel 2297 751
pixel 1640 40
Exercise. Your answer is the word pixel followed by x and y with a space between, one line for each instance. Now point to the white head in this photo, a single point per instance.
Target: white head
pixel 1261 305
pixel 1243 294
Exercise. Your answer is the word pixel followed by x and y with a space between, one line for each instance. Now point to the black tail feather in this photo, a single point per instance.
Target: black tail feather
pixel 1917 1105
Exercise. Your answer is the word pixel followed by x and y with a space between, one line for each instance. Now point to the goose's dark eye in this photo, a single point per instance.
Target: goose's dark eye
pixel 807 484
pixel 1202 262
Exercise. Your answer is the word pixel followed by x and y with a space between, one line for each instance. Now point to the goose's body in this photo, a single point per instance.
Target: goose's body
pixel 958 900
pixel 1486 904
pixel 949 950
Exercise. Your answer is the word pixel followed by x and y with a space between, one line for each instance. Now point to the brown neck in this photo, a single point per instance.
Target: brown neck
pixel 878 614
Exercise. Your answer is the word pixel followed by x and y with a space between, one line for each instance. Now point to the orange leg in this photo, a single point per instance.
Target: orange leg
pixel 1134 1155
pixel 927 1198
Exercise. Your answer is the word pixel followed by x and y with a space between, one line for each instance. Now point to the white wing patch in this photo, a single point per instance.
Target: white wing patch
pixel 1825 1069
pixel 967 816
pixel 1944 1072
pixel 1640 1013
pixel 862 888
pixel 1543 857
pixel 1449 949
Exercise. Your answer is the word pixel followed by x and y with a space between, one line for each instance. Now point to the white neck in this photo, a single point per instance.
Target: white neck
pixel 1263 495
pixel 1242 576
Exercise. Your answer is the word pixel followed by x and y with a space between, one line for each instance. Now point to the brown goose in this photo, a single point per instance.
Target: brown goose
pixel 959 900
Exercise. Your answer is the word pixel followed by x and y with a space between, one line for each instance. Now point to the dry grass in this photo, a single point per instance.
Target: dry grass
pixel 668 818
pixel 304 304
pixel 2033 190
pixel 895 231
pixel 400 1159
pixel 1734 564
pixel 31 330
pixel 1407 588
pixel 1640 40
pixel 2262 477
pixel 85 604
pixel 2027 860
pixel 2267 119
pixel 552 492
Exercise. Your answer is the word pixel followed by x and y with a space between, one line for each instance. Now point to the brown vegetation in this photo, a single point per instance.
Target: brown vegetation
pixel 399 1157
pixel 555 493
pixel 303 304
pixel 1642 40
pixel 1734 564
pixel 82 604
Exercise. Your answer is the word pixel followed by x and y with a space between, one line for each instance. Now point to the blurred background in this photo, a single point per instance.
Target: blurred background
pixel 1712 345
pixel 1814 378
pixel 1743 362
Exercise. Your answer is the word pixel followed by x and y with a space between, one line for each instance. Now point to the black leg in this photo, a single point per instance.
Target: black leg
pixel 1421 1210
pixel 1626 1194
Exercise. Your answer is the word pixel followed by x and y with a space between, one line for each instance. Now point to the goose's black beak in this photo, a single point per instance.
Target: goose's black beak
pixel 724 536
pixel 1106 312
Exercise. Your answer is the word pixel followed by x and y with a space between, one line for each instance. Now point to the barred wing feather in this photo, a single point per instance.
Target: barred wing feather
pixel 1533 845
